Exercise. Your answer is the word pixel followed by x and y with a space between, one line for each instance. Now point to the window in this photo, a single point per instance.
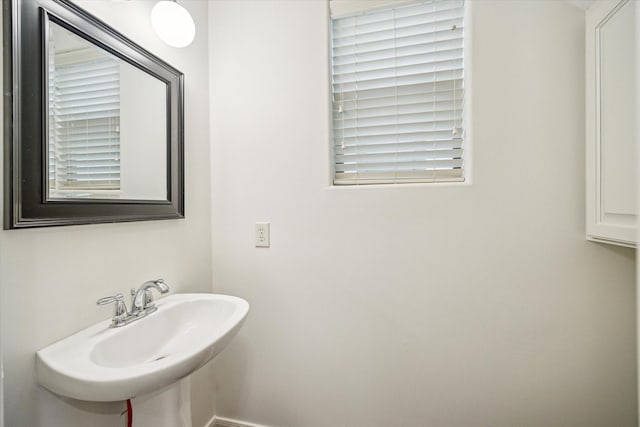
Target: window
pixel 397 86
pixel 84 123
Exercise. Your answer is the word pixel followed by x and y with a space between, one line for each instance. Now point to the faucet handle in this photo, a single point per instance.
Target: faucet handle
pixel 120 313
pixel 108 300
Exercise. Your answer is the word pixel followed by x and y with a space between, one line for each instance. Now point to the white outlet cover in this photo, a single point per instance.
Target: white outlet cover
pixel 262 238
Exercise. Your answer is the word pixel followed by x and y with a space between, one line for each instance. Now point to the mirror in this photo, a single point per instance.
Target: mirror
pixel 97 131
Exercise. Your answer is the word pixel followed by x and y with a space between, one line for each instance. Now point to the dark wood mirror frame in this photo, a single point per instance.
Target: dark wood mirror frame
pixel 25 151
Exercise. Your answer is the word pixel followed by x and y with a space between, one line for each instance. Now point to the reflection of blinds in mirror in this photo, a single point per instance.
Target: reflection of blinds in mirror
pixel 397 78
pixel 85 122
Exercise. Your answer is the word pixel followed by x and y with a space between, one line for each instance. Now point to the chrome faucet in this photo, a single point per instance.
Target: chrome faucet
pixel 141 303
pixel 143 298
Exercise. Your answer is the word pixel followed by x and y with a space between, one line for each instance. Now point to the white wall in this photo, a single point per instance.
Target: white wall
pixel 50 278
pixel 417 305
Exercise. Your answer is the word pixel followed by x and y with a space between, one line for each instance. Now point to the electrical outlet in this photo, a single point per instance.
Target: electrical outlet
pixel 262 234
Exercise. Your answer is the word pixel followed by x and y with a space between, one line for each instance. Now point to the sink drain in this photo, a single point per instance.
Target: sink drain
pixel 164 356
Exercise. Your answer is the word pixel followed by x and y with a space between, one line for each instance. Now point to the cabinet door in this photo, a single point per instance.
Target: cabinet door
pixel 611 116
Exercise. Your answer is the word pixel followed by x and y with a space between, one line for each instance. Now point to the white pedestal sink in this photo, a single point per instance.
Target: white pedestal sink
pixel 148 361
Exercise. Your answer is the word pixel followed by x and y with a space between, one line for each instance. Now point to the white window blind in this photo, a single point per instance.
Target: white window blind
pixel 84 126
pixel 398 87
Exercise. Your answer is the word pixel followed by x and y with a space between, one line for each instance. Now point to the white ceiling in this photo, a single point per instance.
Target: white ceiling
pixel 582 4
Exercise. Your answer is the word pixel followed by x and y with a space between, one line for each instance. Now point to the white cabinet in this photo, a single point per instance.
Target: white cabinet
pixel 611 118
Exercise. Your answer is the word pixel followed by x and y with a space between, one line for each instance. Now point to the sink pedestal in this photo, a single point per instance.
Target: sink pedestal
pixel 167 407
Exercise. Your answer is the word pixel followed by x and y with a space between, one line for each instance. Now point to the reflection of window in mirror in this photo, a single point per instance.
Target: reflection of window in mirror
pixel 84 118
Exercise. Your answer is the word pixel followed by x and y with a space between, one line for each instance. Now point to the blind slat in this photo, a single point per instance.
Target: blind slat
pixel 424 31
pixel 399 157
pixel 402 114
pixel 400 177
pixel 440 87
pixel 413 79
pixel 413 165
pixel 391 146
pixel 414 44
pixel 394 72
pixel 390 111
pixel 400 60
pixel 398 51
pixel 442 144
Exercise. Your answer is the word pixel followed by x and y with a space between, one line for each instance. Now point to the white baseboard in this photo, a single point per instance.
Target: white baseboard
pixel 228 422
pixel 211 423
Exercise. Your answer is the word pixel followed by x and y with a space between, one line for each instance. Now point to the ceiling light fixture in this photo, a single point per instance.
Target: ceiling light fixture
pixel 173 23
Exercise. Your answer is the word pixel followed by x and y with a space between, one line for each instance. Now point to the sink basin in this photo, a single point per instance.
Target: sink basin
pixel 103 364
